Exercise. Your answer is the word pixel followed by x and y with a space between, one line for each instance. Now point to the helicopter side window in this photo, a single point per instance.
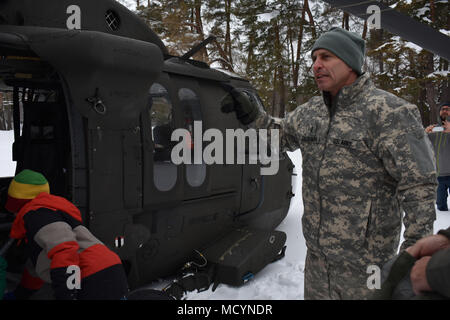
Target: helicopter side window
pixel 190 106
pixel 160 112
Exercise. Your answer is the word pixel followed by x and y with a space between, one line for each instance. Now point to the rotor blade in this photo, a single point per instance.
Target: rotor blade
pixel 400 24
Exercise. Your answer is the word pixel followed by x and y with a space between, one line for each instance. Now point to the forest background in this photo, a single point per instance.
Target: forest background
pixel 268 42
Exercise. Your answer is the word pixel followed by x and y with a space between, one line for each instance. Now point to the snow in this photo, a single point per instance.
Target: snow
pixel 399 42
pixel 383 45
pixel 281 280
pixel 443 73
pixel 444 31
pixel 268 16
pixel 7 166
pixel 130 4
pixel 422 11
pixel 413 46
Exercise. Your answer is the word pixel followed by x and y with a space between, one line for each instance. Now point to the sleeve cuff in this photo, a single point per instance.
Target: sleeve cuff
pixel 445 232
pixel 437 273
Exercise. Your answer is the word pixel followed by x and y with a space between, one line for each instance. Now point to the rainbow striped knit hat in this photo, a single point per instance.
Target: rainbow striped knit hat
pixel 25 186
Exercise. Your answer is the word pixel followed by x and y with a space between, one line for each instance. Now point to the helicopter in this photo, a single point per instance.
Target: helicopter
pixel 99 96
pixel 96 98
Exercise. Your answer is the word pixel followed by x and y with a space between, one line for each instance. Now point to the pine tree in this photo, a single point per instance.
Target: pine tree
pixel 268 42
pixel 407 70
pixel 219 15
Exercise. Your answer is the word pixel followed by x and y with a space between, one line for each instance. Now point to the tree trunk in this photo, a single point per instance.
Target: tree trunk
pixel 427 104
pixel 295 73
pixel 380 56
pixel 445 96
pixel 429 84
pixel 291 49
pixel 250 55
pixel 275 97
pixel 432 12
pixel 445 93
pixel 364 34
pixel 224 60
pixel 228 46
pixel 199 28
pixel 345 21
pixel 279 106
pixel 311 19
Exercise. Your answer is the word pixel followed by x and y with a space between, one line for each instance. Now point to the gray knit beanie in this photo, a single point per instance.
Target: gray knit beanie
pixel 347 46
pixel 445 103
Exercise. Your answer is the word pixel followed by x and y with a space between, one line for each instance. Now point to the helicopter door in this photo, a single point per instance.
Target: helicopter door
pixel 252 181
pixel 195 172
pixel 43 144
pixel 163 182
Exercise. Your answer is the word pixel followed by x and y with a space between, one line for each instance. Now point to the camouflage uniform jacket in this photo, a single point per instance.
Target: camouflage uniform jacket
pixel 360 165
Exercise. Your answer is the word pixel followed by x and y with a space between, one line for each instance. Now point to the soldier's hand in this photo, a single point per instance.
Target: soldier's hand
pixel 239 102
pixel 418 276
pixel 428 246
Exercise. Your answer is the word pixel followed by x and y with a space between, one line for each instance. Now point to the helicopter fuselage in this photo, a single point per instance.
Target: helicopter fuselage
pixel 99 97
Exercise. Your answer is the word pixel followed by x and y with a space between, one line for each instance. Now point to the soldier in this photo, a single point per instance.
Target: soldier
pixel 365 156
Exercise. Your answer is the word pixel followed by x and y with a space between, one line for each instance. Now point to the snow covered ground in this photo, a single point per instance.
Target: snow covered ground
pixel 7 166
pixel 282 280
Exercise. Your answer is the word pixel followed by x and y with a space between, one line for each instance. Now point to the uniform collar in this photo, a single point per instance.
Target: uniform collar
pixel 348 93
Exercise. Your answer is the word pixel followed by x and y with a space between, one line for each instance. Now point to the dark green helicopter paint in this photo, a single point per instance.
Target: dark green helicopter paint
pixel 81 70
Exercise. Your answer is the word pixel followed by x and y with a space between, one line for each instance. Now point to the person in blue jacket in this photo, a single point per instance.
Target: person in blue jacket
pixel 440 137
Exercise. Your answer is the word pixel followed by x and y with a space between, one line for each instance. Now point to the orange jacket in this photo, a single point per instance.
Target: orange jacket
pixel 57 239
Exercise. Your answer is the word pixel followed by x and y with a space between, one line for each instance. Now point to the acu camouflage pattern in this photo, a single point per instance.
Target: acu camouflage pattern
pixel 361 165
pixel 325 279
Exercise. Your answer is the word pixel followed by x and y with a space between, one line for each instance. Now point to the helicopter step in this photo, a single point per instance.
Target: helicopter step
pixel 233 260
pixel 243 253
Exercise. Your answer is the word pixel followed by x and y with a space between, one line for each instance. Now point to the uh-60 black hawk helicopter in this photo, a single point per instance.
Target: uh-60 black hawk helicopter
pixel 99 97
pixel 96 100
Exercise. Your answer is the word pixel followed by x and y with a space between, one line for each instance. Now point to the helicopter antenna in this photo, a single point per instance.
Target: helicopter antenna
pixel 198 47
